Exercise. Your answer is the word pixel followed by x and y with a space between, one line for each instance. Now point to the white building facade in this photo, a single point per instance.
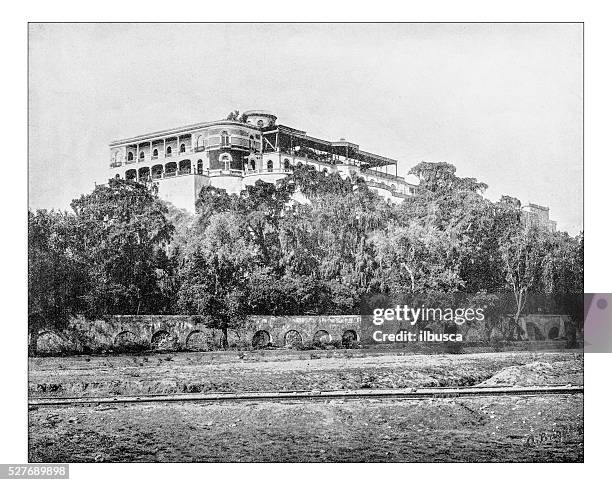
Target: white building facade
pixel 231 154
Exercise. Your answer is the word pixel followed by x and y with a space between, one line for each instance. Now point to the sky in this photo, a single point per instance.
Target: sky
pixel 501 102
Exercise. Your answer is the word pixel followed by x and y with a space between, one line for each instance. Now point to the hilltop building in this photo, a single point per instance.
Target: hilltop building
pixel 538 215
pixel 231 154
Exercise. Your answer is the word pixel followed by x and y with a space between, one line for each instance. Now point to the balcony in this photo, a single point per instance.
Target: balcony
pixel 257 171
pixel 389 176
pixel 220 172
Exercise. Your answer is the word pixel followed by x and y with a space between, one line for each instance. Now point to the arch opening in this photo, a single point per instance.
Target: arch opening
pixel 126 341
pixel 157 171
pixel 184 167
pixel 349 339
pixel 293 339
pixel 162 340
pixel 49 343
pixel 261 339
pixel 199 341
pixel 130 174
pixel 170 169
pixel 321 338
pixel 144 173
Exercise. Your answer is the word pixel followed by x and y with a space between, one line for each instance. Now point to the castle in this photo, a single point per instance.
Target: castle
pixel 231 154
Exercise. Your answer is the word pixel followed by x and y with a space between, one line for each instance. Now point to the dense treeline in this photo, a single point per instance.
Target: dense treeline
pixel 311 244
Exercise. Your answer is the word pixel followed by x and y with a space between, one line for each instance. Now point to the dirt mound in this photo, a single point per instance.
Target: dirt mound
pixel 537 374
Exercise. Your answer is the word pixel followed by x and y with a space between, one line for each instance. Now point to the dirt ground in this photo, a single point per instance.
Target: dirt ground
pixel 542 429
pixel 272 371
pixel 501 428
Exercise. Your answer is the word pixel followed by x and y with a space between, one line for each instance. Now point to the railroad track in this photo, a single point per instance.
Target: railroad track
pixel 405 393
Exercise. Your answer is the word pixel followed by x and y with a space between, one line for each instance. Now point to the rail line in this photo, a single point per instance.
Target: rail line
pixel 404 393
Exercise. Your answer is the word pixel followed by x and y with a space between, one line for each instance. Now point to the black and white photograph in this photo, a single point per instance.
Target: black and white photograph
pixel 322 242
pixel 305 242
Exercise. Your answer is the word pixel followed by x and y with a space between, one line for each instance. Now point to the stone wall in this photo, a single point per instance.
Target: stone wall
pixel 185 332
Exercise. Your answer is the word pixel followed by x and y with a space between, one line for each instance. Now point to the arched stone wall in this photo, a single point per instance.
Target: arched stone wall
pixel 173 332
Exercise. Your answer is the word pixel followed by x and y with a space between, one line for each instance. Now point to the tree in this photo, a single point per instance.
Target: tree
pixel 236 116
pixel 121 229
pixel 214 280
pixel 57 281
pixel 416 259
pixel 522 254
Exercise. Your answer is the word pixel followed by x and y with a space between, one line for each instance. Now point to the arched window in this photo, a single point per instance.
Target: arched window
pixel 168 151
pixel 225 139
pixel 144 173
pixel 251 142
pixel 141 156
pixel 252 164
pixel 226 160
pixel 270 166
pixel 185 167
pixel 287 165
pixel 130 175
pixel 170 169
pixel 157 171
pixel 155 153
pixel 182 149
pixel 117 176
pixel 200 167
pixel 130 156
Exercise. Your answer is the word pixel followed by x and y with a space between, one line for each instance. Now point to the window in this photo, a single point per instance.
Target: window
pixel 182 149
pixel 155 153
pixel 270 166
pixel 251 142
pixel 260 123
pixel 130 156
pixel 252 164
pixel 141 156
pixel 200 144
pixel 117 176
pixel 168 151
pixel 225 139
pixel 287 165
pixel 226 160
pixel 200 167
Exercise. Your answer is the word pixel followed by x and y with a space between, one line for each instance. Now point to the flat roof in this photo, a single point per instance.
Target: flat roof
pixel 175 131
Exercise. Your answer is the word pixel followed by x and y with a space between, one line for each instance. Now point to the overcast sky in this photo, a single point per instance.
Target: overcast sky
pixel 502 102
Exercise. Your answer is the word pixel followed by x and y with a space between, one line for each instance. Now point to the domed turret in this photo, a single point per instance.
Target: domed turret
pixel 260 118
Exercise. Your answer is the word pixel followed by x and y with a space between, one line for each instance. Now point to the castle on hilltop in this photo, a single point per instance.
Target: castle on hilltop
pixel 231 154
